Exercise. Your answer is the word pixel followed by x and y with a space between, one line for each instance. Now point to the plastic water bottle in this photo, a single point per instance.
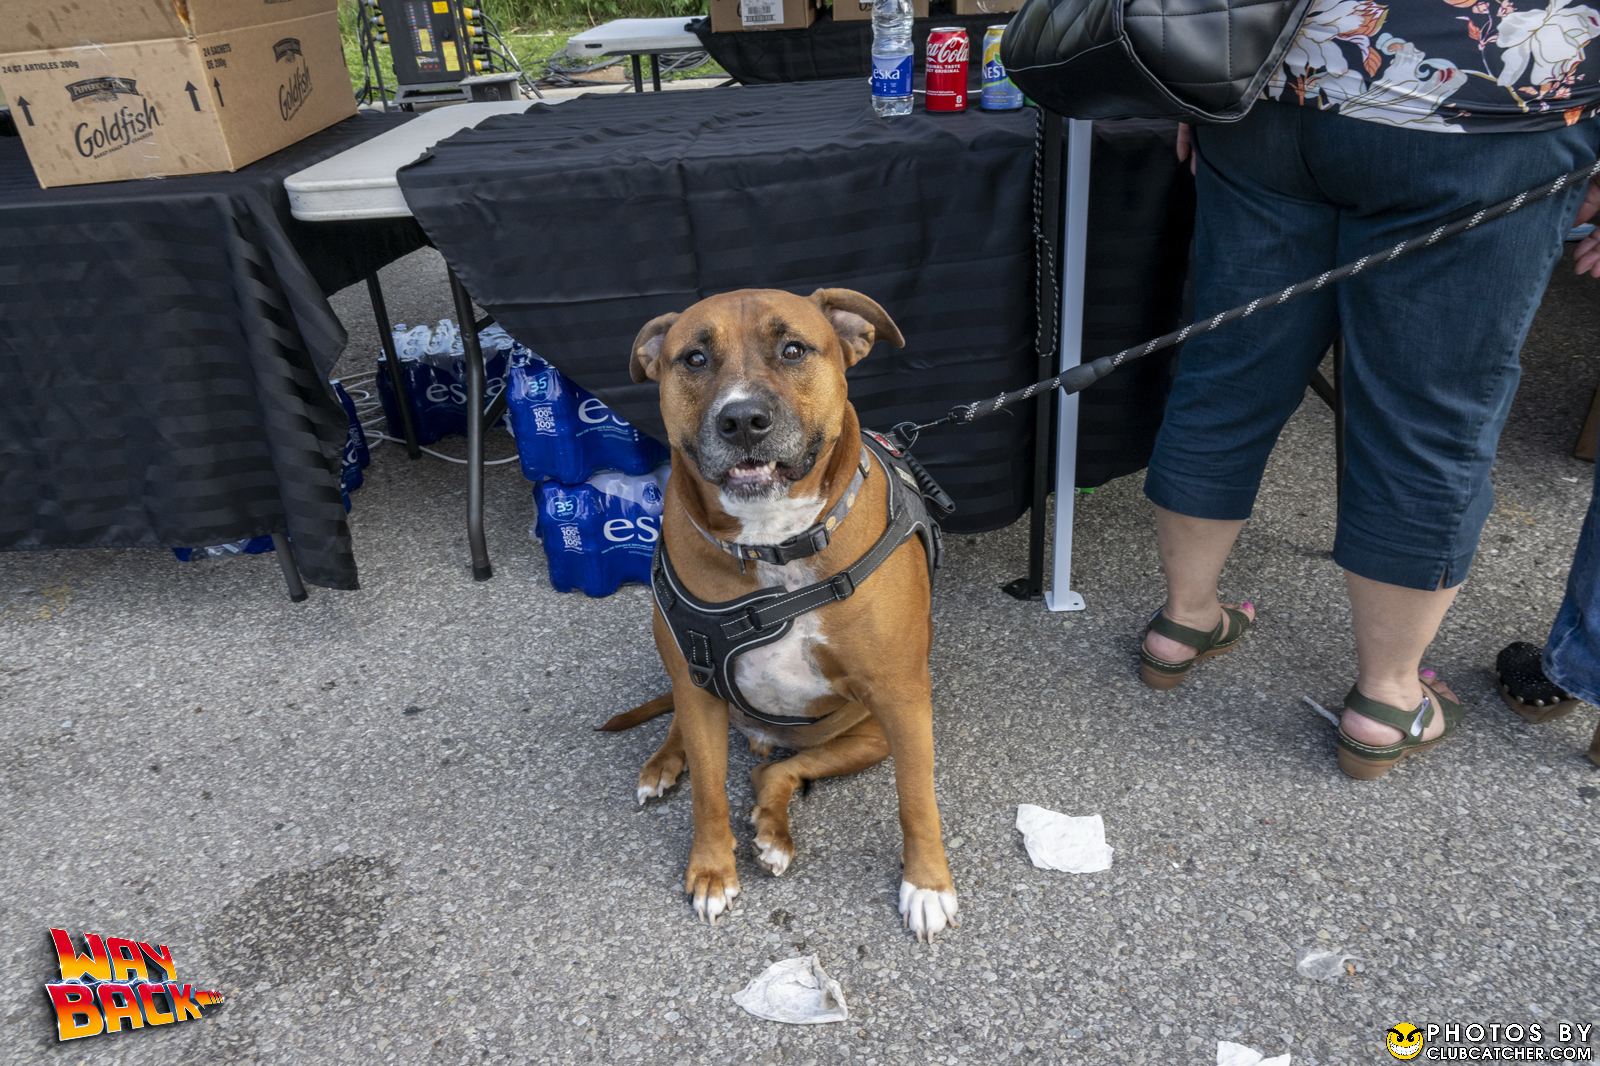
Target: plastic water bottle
pixel 601 533
pixel 891 57
pixel 564 432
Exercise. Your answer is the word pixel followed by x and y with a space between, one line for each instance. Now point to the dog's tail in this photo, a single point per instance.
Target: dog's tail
pixel 638 716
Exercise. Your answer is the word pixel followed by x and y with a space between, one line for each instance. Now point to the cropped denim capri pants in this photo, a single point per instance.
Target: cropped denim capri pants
pixel 1431 340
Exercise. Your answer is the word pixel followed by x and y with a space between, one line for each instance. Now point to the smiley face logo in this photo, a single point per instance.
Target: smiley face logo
pixel 1404 1041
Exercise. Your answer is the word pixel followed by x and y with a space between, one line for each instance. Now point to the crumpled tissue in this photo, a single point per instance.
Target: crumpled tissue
pixel 1061 842
pixel 795 991
pixel 1321 965
pixel 1229 1054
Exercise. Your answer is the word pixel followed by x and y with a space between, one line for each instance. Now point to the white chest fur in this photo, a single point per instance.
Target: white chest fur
pixel 782 677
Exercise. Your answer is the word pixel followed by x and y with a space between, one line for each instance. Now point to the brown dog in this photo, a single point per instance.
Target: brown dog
pixel 765 442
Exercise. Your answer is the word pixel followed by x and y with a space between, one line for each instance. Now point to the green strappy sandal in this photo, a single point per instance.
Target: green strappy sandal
pixel 1160 674
pixel 1364 762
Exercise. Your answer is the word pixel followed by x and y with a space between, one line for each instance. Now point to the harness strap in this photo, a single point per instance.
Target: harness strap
pixel 712 636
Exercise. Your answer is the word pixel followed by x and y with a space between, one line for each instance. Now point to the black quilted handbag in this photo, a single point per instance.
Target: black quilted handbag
pixel 1199 60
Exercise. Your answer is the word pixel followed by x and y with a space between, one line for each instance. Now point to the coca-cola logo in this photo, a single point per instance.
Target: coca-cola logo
pixel 949 50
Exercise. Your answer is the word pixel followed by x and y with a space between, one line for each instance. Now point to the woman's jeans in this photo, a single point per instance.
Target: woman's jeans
pixel 1431 340
pixel 1572 654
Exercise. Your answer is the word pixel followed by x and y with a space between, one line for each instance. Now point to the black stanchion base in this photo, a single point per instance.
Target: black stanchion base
pixel 1022 589
pixel 482 573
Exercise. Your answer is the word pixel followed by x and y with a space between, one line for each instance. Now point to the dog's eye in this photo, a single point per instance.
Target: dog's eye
pixel 695 360
pixel 794 351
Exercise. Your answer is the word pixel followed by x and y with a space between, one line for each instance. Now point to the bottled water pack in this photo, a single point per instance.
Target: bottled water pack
pixel 566 433
pixel 433 365
pixel 601 533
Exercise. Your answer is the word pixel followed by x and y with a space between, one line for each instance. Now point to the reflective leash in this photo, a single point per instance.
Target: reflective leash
pixel 1081 377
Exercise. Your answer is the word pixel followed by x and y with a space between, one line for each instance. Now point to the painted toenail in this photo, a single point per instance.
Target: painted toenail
pixel 1429 675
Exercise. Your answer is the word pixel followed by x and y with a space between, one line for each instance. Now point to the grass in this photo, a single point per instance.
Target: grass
pixel 536 30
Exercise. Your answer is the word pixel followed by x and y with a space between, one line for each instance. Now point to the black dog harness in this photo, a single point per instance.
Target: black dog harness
pixel 712 636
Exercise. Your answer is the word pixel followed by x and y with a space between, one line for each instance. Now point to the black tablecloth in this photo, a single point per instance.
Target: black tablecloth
pixel 576 224
pixel 828 49
pixel 164 350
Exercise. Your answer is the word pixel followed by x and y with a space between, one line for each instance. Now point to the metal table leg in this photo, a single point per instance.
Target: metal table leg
pixel 481 570
pixel 291 572
pixel 1332 394
pixel 655 72
pixel 638 75
pixel 391 358
pixel 1075 209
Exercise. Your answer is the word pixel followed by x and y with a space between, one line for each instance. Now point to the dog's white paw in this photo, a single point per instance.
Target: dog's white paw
pixel 926 911
pixel 713 904
pixel 775 856
pixel 660 787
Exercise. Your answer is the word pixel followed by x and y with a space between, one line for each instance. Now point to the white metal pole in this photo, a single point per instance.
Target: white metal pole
pixel 1075 216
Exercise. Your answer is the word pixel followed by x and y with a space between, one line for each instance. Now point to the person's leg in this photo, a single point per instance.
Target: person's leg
pixel 1431 364
pixel 1261 225
pixel 1572 652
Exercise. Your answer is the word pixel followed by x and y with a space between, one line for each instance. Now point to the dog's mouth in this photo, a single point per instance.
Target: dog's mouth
pixel 757 477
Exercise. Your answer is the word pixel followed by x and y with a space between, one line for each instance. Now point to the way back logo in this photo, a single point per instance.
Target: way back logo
pixel 119 983
pixel 293 93
pixel 128 124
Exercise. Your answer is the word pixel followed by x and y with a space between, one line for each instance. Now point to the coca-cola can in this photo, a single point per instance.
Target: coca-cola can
pixel 946 68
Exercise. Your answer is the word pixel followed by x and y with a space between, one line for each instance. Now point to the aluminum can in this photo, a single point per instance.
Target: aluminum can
pixel 999 94
pixel 946 68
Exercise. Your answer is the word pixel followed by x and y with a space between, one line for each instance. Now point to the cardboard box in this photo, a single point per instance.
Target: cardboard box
pixel 857 10
pixel 729 16
pixel 106 90
pixel 987 7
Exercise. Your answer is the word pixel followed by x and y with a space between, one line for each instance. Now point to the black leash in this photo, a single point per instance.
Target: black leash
pixel 1081 377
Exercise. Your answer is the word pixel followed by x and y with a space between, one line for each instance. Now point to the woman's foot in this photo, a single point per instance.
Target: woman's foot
pixel 1173 642
pixel 1359 727
pixel 1377 734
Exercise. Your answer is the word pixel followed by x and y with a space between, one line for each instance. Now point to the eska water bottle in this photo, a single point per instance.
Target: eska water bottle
pixel 564 432
pixel 601 533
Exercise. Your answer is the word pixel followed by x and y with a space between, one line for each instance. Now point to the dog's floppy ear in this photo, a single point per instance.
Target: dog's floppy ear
pixel 858 321
pixel 645 363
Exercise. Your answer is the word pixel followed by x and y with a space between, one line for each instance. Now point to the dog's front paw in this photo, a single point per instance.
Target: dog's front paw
pixel 714 889
pixel 773 846
pixel 659 775
pixel 927 911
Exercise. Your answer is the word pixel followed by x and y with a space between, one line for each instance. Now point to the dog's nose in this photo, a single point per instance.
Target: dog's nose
pixel 744 422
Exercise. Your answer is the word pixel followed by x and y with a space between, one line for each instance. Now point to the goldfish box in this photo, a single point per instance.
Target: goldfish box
pixel 105 90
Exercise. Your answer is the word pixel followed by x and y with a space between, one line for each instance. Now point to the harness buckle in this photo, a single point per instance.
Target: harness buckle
pixel 700 675
pixel 843 585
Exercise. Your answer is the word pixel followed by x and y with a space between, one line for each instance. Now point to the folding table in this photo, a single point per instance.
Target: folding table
pixel 360 185
pixel 634 38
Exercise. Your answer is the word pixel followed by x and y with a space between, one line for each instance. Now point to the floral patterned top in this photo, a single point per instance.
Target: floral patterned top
pixel 1448 65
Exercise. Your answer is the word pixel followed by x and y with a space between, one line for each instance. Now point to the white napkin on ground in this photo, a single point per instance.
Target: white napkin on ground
pixel 1061 842
pixel 1229 1054
pixel 795 991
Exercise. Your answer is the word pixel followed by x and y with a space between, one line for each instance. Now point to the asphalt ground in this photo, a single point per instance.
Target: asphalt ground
pixel 380 822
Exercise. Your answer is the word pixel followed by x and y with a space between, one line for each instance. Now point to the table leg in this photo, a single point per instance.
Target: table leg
pixel 291 572
pixel 391 359
pixel 1332 394
pixel 1075 209
pixel 638 75
pixel 481 570
pixel 655 72
pixel 1047 303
